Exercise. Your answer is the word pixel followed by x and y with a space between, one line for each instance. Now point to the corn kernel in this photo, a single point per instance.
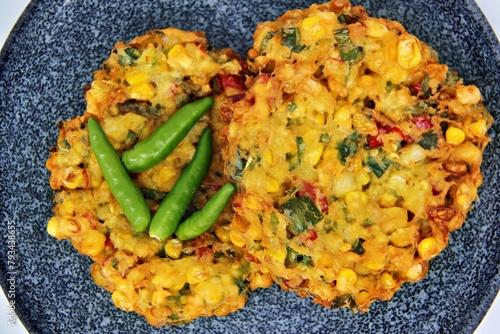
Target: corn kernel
pixel 346 279
pixel 478 128
pixel 222 233
pixel 261 280
pixel 272 184
pixel 236 238
pixel 178 56
pixel 362 297
pixel 121 301
pixel 356 199
pixel 387 281
pixel 310 21
pixel 356 164
pixel 196 274
pixel 387 200
pixel 455 136
pixel 343 116
pixel 319 118
pixel 252 202
pixel 93 243
pixel 268 159
pixel 345 247
pixel 210 291
pixel 428 248
pixel 363 178
pixel 74 178
pixel 375 28
pixel 468 153
pixel 409 54
pixel 364 125
pixel 52 226
pixel 375 264
pixel 311 27
pixel 173 248
pixel 414 272
pixel 278 253
pixel 313 153
pixel 160 296
pixel 143 91
pixel 468 95
pixel 402 237
pixel 136 77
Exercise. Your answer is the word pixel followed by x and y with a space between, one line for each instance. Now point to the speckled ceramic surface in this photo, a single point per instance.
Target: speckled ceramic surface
pixel 49 58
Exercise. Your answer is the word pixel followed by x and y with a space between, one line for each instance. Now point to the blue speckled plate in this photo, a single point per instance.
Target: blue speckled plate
pixel 52 54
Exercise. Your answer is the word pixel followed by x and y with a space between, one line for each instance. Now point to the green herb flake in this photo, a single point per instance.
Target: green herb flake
pixel 153 194
pixel 429 140
pixel 114 263
pixel 330 225
pixel 242 286
pixel 389 87
pixel 325 138
pixel 292 106
pixel 301 148
pixel 231 254
pixel 132 135
pixel 266 40
pixel 274 223
pixel 357 247
pixel 64 144
pixel 425 86
pixel 239 165
pixel 301 213
pixel 290 38
pixel 129 58
pixel 293 258
pixel 451 79
pixel 348 51
pixel 348 147
pixel 344 300
pixel 378 168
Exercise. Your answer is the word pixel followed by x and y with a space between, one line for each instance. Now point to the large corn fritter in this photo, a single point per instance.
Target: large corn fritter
pixel 141 84
pixel 355 153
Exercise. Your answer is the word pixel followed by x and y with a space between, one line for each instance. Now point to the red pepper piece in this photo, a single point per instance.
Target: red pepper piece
pixel 310 235
pixel 315 194
pixel 376 141
pixel 109 244
pixel 417 88
pixel 422 122
pixel 231 81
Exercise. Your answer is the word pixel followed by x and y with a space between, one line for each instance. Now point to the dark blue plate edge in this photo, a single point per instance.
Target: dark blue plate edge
pixel 23 316
pixel 491 290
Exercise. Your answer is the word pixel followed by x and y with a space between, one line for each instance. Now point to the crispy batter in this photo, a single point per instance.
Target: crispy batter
pixel 355 153
pixel 141 84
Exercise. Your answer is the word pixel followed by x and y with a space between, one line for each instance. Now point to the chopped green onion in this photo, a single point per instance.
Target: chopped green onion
pixel 302 213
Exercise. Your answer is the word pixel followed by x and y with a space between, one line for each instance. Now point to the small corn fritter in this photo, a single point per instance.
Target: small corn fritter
pixel 141 84
pixel 355 153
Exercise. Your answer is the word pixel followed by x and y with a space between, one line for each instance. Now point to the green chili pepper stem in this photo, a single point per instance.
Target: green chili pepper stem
pixel 166 137
pixel 176 202
pixel 126 193
pixel 202 220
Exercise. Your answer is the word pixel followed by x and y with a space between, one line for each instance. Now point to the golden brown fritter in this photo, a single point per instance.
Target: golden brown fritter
pixel 139 87
pixel 355 153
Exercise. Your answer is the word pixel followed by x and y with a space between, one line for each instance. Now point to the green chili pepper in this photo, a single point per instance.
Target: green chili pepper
pixel 203 219
pixel 176 202
pixel 126 193
pixel 166 137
